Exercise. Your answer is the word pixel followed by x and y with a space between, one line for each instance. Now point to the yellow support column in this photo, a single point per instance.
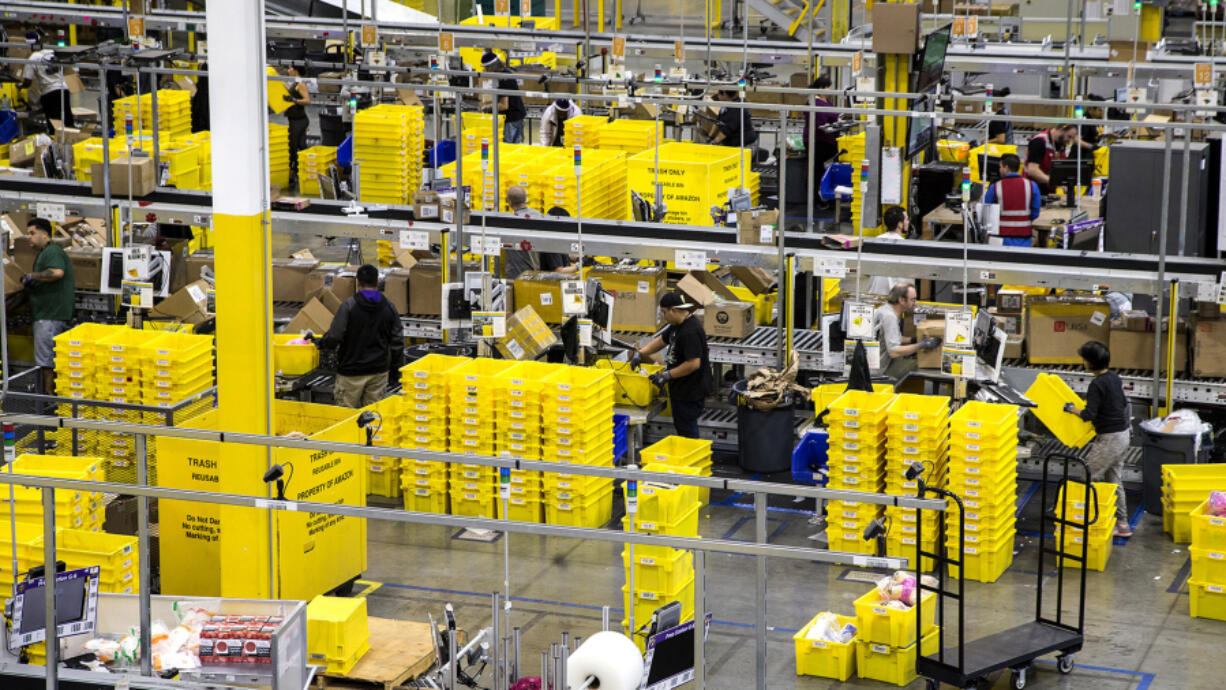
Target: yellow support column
pixel 895 77
pixel 244 327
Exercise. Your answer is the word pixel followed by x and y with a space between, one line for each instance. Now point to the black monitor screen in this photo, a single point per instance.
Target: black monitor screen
pixel 1071 171
pixel 921 130
pixel 672 657
pixel 69 605
pixel 932 59
pixel 989 166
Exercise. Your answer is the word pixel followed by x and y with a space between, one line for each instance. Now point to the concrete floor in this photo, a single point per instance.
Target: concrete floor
pixel 1139 634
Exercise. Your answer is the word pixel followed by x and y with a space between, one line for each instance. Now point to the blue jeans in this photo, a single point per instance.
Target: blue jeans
pixel 1016 241
pixel 685 416
pixel 513 132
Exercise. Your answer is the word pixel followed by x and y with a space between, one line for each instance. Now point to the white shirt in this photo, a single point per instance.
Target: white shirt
pixel 549 121
pixel 880 285
pixel 47 74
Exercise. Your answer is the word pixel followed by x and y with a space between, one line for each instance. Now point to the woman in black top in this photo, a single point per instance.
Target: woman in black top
pixel 1107 409
pixel 300 97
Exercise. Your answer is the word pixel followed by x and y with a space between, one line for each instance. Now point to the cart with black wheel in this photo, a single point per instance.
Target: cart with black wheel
pixel 1018 647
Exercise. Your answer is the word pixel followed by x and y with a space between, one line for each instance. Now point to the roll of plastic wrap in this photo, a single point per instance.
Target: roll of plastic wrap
pixel 611 657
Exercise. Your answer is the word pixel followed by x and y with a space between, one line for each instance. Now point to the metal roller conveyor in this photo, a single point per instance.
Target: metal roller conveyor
pixel 760 348
pixel 1137 384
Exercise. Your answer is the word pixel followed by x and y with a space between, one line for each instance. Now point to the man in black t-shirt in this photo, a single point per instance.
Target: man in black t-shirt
pixel 687 363
pixel 511 107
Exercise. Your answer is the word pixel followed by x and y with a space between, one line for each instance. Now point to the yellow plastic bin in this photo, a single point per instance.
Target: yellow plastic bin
pixel 824 658
pixel 337 632
pixel 1051 393
pixel 293 360
pixel 881 624
pixel 893 664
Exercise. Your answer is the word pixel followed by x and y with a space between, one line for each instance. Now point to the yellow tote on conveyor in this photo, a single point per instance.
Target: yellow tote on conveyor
pixel 1050 393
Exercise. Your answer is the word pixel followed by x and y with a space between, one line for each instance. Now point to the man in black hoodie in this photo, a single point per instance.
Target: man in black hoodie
pixel 371 340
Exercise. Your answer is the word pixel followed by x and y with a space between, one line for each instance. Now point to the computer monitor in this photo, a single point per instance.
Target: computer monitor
pixel 1072 173
pixel 922 128
pixel 931 62
pixel 989 168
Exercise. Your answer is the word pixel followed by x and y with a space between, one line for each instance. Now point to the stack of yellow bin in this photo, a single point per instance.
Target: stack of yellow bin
pixel 855 461
pixel 600 191
pixel 852 148
pixel 1073 505
pixel 917 430
pixel 578 402
pixel 174 112
pixel 584 131
pixel 182 163
pixel 661 574
pixel 1183 488
pixel 176 366
pixel 388 141
pixel 204 151
pixel 119 379
pixel 519 420
pixel 73 509
pixel 680 455
pixel 75 360
pixel 278 154
pixel 116 555
pixel 383 473
pixel 478 126
pixel 312 162
pixel 886 645
pixel 474 390
pixel 983 472
pixel 631 136
pixel 424 420
pixel 87 152
pixel 1207 583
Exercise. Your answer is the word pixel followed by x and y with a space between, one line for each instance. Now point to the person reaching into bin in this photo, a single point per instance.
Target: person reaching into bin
pixel 1107 409
pixel 370 338
pixel 687 364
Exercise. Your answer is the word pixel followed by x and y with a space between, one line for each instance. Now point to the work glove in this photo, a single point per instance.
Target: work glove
pixel 636 360
pixel 661 378
pixel 930 343
pixel 1071 408
pixel 288 98
pixel 27 280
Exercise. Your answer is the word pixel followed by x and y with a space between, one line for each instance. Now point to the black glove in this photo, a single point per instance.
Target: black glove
pixel 27 280
pixel 1071 408
pixel 288 98
pixel 661 378
pixel 636 360
pixel 930 343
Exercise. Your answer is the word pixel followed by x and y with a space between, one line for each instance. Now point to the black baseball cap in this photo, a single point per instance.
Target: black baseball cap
pixel 675 300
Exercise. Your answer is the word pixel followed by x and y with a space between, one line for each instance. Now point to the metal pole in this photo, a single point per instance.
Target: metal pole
pixel 759 510
pixel 496 660
pixel 49 572
pixel 104 107
pixel 515 657
pixel 604 615
pixel 153 95
pixel 587 54
pixel 452 662
pixel 545 670
pixel 563 658
pixel 1183 190
pixel 459 190
pixel 142 522
pixel 1068 44
pixel 779 228
pixel 1160 306
pixel 700 624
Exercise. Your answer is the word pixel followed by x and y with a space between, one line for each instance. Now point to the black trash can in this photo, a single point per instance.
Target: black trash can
pixel 765 438
pixel 1158 449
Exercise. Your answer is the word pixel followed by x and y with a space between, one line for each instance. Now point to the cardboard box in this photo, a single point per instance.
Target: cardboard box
pixel 187 305
pixel 930 359
pixel 345 283
pixel 426 288
pixel 320 277
pixel 144 176
pixel 199 265
pixel 1209 349
pixel 86 267
pixel 636 291
pixel 1011 324
pixel 12 277
pixel 527 336
pixel 1135 349
pixel 1135 320
pixel 758 280
pixel 23 152
pixel 896 28
pixel 729 319
pixel 542 291
pixel 704 288
pixel 757 227
pixel 1208 311
pixel 396 289
pixel 313 317
pixel 89 233
pixel 1010 301
pixel 1015 347
pixel 1058 326
pixel 289 279
pixel 425 205
pixel 447 208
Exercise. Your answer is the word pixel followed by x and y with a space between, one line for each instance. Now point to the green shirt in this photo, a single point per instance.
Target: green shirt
pixel 53 301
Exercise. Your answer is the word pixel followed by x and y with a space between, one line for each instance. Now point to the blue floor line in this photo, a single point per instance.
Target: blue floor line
pixel 733 497
pixel 769 509
pixel 1034 488
pixel 1181 577
pixel 548 602
pixel 1146 678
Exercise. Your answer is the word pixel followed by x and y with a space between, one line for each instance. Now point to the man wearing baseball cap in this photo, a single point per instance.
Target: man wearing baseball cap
pixel 510 106
pixel 687 363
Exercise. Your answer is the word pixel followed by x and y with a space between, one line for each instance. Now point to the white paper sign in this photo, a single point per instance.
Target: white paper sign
pixel 415 239
pixel 486 246
pixel 572 297
pixel 691 260
pixel 489 324
pixel 830 268
pixel 860 321
pixel 52 212
pixel 959 328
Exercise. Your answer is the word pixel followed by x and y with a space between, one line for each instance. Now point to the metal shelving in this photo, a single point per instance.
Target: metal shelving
pixel 1137 384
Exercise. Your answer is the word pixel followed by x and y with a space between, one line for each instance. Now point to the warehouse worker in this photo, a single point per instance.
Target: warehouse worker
pixel 553 122
pixel 1020 202
pixel 516 261
pixel 825 144
pixel 687 365
pixel 511 107
pixel 300 97
pixel 887 323
pixel 1001 131
pixel 370 337
pixel 733 126
pixel 896 224
pixel 1047 146
pixel 52 296
pixel 1107 409
pixel 557 262
pixel 52 89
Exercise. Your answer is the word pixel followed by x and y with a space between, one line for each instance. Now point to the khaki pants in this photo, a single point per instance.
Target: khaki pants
pixel 359 391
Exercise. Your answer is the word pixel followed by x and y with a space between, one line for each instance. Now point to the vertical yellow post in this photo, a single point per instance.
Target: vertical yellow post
pixel 896 78
pixel 240 207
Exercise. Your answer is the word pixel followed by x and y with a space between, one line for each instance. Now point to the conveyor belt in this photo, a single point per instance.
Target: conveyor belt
pixel 1137 384
pixel 1031 467
pixel 759 348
